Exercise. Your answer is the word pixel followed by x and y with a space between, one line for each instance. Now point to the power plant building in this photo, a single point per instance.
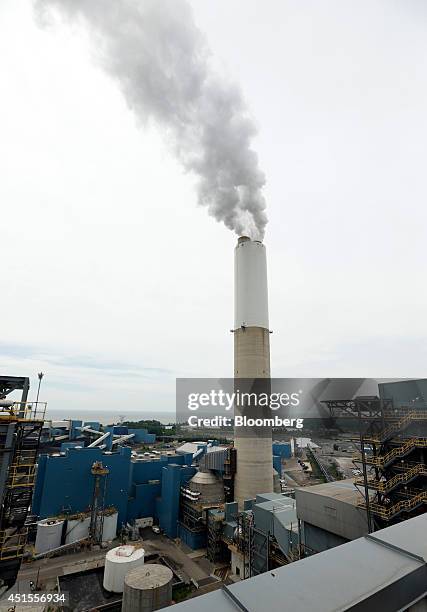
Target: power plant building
pixel 136 486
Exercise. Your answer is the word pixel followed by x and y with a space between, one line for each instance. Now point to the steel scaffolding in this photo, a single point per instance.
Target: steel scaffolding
pixel 20 429
pixel 392 455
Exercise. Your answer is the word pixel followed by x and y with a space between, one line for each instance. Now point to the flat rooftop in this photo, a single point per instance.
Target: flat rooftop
pixel 341 490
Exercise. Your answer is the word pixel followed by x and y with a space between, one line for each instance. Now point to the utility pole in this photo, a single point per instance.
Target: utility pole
pixel 40 375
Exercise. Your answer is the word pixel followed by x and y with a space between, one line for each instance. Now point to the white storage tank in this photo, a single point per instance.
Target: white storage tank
pixel 77 528
pixel 109 528
pixel 118 562
pixel 147 588
pixel 49 535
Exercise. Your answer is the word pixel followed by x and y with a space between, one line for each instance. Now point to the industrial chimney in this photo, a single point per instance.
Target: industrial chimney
pixel 251 361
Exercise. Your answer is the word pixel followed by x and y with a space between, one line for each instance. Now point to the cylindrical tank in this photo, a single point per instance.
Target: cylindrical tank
pixel 251 362
pixel 118 562
pixel 49 535
pixel 211 487
pixel 147 588
pixel 109 528
pixel 77 529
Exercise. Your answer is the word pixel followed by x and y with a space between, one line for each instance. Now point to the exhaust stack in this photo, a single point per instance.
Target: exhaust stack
pixel 251 361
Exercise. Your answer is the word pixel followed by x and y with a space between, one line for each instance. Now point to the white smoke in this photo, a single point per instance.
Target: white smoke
pixel 161 62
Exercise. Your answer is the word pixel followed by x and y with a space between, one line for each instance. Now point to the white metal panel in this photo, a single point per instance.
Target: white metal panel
pixel 49 535
pixel 109 528
pixel 250 285
pixel 77 529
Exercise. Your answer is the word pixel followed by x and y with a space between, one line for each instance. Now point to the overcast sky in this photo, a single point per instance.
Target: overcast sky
pixel 114 281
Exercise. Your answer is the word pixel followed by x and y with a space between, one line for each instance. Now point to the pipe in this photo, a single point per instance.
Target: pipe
pixel 99 440
pixel 123 438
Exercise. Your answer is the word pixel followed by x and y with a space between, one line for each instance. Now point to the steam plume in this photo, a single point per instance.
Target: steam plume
pixel 161 62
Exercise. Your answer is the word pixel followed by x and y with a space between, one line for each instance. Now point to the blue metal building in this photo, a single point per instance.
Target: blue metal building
pixel 135 487
pixel 282 449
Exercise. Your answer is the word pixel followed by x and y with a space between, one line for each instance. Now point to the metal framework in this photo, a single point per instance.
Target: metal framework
pixel 99 473
pixel 244 541
pixel 230 466
pixel 392 455
pixel 14 383
pixel 20 429
pixel 216 550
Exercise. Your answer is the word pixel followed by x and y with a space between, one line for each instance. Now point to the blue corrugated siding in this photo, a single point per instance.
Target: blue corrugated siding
pixel 167 506
pixel 142 436
pixel 65 484
pixel 283 449
pixel 193 540
pixel 142 501
pixel 277 464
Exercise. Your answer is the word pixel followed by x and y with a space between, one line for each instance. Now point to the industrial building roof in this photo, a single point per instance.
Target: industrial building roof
pixel 383 571
pixel 190 447
pixel 333 507
pixel 262 497
pixel 342 490
pixel 283 510
pixel 193 447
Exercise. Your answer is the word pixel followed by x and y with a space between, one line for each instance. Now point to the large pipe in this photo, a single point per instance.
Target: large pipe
pixel 251 361
pixel 99 440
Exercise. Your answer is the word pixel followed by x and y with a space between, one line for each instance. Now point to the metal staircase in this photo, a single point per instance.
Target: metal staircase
pixel 393 459
pixel 415 500
pixel 382 461
pixel 403 420
pixel 385 486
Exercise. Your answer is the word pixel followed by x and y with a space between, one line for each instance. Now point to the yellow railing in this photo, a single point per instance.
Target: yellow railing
pixel 406 418
pixel 12 545
pixel 21 475
pixel 399 451
pixel 25 456
pixel 24 411
pixel 387 512
pixel 386 485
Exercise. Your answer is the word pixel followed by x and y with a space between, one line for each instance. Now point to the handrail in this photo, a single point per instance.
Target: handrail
pixel 12 545
pixel 21 475
pixel 386 485
pixel 24 411
pixel 399 451
pixel 401 506
pixel 407 417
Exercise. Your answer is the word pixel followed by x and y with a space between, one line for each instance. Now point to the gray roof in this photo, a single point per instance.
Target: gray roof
pixel 282 510
pixel 342 490
pixel 383 571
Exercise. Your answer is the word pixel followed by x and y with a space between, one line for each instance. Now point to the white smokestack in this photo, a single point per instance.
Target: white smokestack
pixel 162 66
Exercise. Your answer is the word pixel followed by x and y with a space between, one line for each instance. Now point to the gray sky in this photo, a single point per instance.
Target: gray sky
pixel 115 281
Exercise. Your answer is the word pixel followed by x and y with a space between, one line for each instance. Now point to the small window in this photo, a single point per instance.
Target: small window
pixel 330 511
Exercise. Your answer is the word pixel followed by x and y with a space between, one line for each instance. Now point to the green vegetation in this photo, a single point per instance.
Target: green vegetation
pixel 152 426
